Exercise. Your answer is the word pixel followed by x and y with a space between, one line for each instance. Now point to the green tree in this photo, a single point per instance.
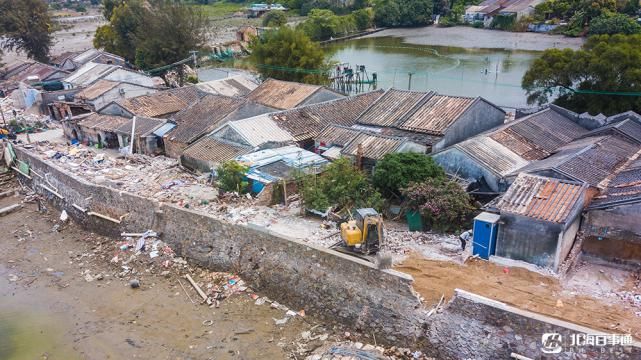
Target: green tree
pixel 321 24
pixel 232 176
pixel 275 19
pixel 289 54
pixel 363 18
pixel 387 13
pixel 443 203
pixel 614 24
pixel 397 170
pixel 605 63
pixel 152 34
pixel 403 13
pixel 341 186
pixel 25 27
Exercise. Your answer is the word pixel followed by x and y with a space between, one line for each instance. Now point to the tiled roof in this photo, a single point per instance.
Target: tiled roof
pixel 307 121
pixel 203 116
pixel 232 86
pixel 282 94
pixel 211 149
pixel 391 107
pixel 624 187
pixel 373 146
pixel 437 114
pixel 95 90
pixel 590 160
pixel 536 136
pixel 143 125
pixel 337 135
pixel 419 138
pixel 492 154
pixel 542 198
pixel 42 71
pixel 102 122
pixel 629 128
pixel 162 103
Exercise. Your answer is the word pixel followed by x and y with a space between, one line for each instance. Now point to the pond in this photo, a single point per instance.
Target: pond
pixel 494 74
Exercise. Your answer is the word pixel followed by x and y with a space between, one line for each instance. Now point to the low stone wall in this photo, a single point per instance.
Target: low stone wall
pixel 327 284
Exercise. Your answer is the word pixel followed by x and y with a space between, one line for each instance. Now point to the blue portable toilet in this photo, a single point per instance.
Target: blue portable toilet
pixel 486 226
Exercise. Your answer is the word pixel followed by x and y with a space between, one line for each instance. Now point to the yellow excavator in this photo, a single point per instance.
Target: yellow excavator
pixel 363 233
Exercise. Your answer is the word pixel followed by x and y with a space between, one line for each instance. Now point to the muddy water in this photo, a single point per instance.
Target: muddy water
pixel 492 73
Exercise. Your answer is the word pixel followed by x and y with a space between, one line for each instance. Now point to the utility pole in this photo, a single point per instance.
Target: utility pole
pixel 193 55
pixel 409 85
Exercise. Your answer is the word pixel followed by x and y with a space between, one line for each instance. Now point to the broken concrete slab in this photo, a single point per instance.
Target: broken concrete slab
pixel 9 209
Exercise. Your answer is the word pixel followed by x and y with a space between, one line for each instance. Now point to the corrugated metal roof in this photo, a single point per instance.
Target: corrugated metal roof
pixel 102 122
pixel 161 131
pixel 162 103
pixel 492 154
pixel 306 122
pixel 392 107
pixel 333 152
pixel 542 198
pixel 437 114
pixel 213 150
pixel 203 116
pixel 144 125
pixel 373 146
pixel 292 155
pixel 259 130
pixel 536 136
pixel 89 73
pixel 42 71
pixel 282 94
pixel 95 90
pixel 238 85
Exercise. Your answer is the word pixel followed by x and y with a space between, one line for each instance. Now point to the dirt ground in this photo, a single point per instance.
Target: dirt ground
pixel 469 37
pixel 49 310
pixel 587 297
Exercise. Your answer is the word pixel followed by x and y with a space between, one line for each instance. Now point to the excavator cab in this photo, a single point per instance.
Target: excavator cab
pixel 364 233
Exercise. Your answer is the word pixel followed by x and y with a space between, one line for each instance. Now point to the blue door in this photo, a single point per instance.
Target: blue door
pixel 485 231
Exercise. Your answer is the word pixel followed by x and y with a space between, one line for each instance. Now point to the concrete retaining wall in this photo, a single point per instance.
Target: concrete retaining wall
pixel 327 284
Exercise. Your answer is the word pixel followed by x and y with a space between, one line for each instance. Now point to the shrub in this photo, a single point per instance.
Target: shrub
pixel 614 24
pixel 443 203
pixel 340 185
pixel 231 176
pixel 275 19
pixel 396 171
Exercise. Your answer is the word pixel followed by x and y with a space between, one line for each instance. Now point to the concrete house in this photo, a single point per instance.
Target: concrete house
pixel 161 104
pixel 103 92
pixel 440 120
pixel 612 225
pixel 146 142
pixel 486 10
pixel 205 115
pixel 283 95
pixel 489 158
pixel 539 219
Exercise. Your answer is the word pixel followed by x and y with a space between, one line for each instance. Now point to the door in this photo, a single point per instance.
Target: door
pixel 484 239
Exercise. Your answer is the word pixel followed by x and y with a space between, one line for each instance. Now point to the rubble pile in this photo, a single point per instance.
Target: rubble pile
pixel 12 113
pixel 357 350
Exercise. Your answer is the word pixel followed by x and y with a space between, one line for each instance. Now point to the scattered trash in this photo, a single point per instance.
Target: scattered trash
pixel 64 216
pixel 282 321
pixel 208 322
pixel 134 283
pixel 13 278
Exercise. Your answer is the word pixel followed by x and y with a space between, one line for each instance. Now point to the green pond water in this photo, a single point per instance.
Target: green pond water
pixel 494 74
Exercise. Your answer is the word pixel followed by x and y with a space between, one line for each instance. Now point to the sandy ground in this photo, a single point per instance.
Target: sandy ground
pixel 51 311
pixel 469 37
pixel 593 295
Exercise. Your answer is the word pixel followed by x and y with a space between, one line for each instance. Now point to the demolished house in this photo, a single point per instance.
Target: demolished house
pixel 205 115
pixel 488 159
pixel 94 129
pixel 283 95
pixel 539 219
pixel 146 140
pixel 612 225
pixel 280 165
pixel 162 104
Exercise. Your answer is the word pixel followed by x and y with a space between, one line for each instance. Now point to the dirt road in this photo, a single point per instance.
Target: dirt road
pixel 50 310
pixel 531 291
pixel 469 37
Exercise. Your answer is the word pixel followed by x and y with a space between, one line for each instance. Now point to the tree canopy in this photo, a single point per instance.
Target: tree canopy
pixel 151 34
pixel 403 12
pixel 275 18
pixel 605 63
pixel 25 27
pixel 289 54
pixel 397 170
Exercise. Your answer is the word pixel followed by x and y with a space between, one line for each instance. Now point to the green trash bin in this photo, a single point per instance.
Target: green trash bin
pixel 414 220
